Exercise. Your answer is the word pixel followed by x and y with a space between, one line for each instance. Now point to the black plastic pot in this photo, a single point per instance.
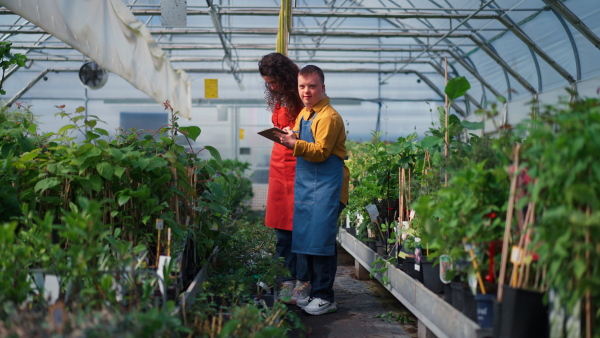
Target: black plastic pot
pixel 399 263
pixel 485 310
pixel 469 304
pixel 372 245
pixel 522 313
pixel 379 248
pixel 409 267
pixel 431 276
pixel 448 293
pixel 458 297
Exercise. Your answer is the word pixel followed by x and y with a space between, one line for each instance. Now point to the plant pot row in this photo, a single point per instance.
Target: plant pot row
pixel 522 313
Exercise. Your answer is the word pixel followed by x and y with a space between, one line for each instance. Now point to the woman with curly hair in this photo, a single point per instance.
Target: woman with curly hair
pixel 281 92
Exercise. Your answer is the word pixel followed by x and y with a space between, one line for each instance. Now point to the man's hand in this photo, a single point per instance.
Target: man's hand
pixel 288 139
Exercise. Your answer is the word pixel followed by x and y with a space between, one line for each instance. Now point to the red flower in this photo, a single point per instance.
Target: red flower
pixel 490 215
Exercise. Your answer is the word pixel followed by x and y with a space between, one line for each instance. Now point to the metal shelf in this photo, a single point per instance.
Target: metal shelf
pixel 432 311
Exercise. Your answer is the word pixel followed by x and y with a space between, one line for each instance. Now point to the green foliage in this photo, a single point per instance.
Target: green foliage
pixel 247 257
pixel 143 177
pixel 402 318
pixel 463 210
pixel 7 60
pixel 457 87
pixel 234 186
pixel 84 208
pixel 380 266
pixel 561 155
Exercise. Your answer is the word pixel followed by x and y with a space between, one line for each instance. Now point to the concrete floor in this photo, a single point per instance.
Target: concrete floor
pixel 358 304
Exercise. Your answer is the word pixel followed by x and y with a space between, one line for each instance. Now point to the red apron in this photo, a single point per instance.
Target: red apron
pixel 282 169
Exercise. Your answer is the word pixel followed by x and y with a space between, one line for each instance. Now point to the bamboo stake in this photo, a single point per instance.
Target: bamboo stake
pixel 408 188
pixel 509 213
pixel 520 246
pixel 469 248
pixel 527 227
pixel 169 242
pixel 527 251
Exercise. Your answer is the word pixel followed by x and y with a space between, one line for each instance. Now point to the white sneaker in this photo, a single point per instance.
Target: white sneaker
pixel 320 306
pixel 285 291
pixel 303 302
pixel 301 291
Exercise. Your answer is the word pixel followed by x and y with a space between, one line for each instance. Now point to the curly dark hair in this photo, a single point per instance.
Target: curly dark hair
pixel 285 72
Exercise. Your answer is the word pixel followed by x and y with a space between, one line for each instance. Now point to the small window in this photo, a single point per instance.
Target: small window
pixel 244 151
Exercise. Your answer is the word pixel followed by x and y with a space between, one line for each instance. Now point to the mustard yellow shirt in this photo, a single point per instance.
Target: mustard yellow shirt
pixel 330 138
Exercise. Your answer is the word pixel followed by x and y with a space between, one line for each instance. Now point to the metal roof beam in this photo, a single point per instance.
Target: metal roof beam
pixel 26 88
pixel 324 14
pixel 574 20
pixel 525 38
pixel 484 47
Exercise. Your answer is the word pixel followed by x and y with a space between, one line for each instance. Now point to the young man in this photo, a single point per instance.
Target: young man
pixel 320 188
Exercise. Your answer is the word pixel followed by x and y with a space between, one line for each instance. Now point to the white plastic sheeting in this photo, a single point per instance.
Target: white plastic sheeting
pixel 108 33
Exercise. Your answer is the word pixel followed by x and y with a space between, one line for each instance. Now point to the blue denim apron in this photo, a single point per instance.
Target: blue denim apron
pixel 317 191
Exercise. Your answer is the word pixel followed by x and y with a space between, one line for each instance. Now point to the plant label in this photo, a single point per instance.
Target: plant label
pixel 159 224
pixel 516 255
pixel 373 212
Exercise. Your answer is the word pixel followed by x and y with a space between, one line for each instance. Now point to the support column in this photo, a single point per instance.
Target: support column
pixel 360 272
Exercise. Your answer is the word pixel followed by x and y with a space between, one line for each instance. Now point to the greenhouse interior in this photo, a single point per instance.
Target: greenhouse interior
pixel 134 183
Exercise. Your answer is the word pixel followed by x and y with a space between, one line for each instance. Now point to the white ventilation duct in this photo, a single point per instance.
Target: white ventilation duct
pixel 108 33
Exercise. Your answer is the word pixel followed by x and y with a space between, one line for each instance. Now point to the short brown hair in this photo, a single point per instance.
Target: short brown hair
pixel 312 69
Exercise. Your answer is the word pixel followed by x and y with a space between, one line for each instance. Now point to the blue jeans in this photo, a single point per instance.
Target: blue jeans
pixel 298 268
pixel 321 271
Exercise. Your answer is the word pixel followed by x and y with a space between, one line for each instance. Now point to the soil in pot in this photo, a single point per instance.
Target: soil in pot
pixel 431 276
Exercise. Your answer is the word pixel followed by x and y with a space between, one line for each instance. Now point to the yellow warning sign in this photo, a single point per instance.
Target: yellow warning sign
pixel 211 88
pixel 242 132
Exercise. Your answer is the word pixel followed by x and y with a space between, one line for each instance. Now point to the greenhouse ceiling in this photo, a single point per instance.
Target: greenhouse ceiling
pixel 385 61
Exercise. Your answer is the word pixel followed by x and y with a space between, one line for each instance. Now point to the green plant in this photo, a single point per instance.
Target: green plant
pixel 402 318
pixel 146 177
pixel 560 154
pixel 7 60
pixel 236 187
pixel 247 257
pixel 380 266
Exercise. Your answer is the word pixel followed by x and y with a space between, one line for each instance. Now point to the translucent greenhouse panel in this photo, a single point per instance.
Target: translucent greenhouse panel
pixel 589 13
pixel 547 33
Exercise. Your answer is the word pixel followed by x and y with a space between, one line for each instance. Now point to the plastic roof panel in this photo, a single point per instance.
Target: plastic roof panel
pixel 376 52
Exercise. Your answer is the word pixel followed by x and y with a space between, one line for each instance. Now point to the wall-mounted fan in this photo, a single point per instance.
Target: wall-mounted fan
pixel 92 76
